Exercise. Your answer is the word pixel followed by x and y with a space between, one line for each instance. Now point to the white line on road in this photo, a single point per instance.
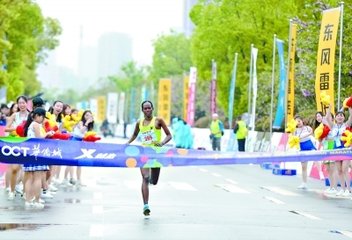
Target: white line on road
pixel 280 191
pixel 231 181
pixel 307 215
pixel 274 200
pixel 216 174
pixel 346 233
pixel 96 230
pixel 97 209
pixel 98 196
pixel 203 170
pixel 231 188
pixel 182 186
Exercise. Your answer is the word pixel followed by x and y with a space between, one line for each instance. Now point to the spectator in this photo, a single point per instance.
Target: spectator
pixel 216 132
pixel 241 132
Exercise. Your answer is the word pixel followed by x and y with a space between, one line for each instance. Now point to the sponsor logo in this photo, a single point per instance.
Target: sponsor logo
pixel 90 153
pixel 15 151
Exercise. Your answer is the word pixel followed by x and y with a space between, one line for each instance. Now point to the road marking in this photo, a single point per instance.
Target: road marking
pixel 98 195
pixel 231 188
pixel 203 170
pixel 346 233
pixel 307 215
pixel 182 186
pixel 97 209
pixel 231 181
pixel 96 230
pixel 280 191
pixel 216 175
pixel 132 184
pixel 274 200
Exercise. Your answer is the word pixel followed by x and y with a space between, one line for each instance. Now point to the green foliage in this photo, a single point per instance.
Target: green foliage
pixel 130 82
pixel 228 26
pixel 25 36
pixel 171 56
pixel 224 27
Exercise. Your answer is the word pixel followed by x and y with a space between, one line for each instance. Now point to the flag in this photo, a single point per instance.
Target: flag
pixel 191 96
pixel 324 79
pixel 290 104
pixel 164 100
pixel 279 116
pixel 254 54
pixel 213 88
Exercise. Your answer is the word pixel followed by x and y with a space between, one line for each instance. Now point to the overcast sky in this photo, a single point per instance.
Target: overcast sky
pixel 142 20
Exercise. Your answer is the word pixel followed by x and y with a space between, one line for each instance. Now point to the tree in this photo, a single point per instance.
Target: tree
pixel 25 35
pixel 130 82
pixel 171 56
pixel 224 27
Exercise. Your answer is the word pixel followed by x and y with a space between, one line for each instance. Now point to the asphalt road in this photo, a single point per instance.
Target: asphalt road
pixel 214 202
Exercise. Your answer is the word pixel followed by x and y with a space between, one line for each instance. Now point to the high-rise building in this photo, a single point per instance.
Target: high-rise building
pixel 188 25
pixel 87 63
pixel 114 50
pixel 48 72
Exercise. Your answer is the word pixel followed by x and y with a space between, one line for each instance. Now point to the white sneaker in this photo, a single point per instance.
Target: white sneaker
pixel 19 188
pixel 11 196
pixel 41 201
pixel 28 205
pixel 346 193
pixel 331 191
pixel 303 186
pixel 38 205
pixel 66 183
pixel 46 195
pixel 52 188
pixel 340 192
pixel 55 181
pixel 7 190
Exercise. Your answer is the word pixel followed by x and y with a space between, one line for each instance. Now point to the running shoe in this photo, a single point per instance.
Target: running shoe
pixel 303 186
pixel 146 210
pixel 11 196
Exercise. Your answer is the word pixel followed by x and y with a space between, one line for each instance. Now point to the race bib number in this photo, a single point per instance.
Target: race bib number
pixel 148 137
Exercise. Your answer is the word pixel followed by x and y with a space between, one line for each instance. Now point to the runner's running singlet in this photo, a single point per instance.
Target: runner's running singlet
pixel 149 133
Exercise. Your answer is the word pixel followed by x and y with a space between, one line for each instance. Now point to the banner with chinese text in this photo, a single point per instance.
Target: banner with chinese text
pixel 290 104
pixel 324 80
pixel 191 96
pixel 164 100
pixel 185 96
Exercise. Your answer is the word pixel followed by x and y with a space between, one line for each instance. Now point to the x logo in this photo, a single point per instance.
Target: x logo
pixel 87 153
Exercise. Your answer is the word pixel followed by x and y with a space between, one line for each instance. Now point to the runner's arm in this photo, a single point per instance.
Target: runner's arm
pixel 135 133
pixel 168 137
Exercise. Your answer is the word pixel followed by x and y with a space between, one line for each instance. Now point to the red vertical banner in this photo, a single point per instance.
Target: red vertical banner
pixel 213 88
pixel 185 96
pixel 191 96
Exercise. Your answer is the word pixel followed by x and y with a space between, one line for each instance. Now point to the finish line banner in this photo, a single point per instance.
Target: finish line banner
pixel 76 153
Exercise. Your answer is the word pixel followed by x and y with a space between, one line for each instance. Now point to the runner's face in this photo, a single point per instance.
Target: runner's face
pixel 147 109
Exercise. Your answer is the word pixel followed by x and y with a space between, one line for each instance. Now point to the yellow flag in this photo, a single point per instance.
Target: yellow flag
pixel 290 105
pixel 101 114
pixel 324 80
pixel 164 100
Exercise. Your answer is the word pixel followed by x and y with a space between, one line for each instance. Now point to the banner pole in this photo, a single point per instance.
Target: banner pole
pixel 272 93
pixel 340 56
